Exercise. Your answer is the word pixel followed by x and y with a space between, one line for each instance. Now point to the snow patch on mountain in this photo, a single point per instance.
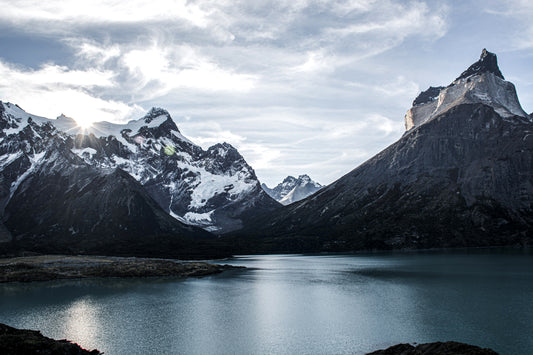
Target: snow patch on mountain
pixel 199 218
pixel 7 159
pixel 85 153
pixel 35 161
pixel 212 184
pixel 209 188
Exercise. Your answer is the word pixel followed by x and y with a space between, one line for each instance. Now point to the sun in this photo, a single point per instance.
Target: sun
pixel 84 125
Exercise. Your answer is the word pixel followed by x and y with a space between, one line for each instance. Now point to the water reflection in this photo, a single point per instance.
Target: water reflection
pixel 288 304
pixel 81 322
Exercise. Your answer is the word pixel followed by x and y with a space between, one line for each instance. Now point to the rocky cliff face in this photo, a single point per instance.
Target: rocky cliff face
pixel 462 175
pixel 481 83
pixel 293 189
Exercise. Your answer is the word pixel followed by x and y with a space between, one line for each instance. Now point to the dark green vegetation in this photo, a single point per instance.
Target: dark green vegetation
pixel 21 341
pixel 438 348
pixel 54 267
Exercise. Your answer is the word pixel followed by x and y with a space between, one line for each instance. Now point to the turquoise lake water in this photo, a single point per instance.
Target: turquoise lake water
pixel 293 304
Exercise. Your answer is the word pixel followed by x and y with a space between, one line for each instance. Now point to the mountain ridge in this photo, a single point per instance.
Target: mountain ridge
pixel 52 201
pixel 459 177
pixel 213 189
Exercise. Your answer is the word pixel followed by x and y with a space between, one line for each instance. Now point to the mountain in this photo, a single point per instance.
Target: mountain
pixel 214 189
pixel 481 83
pixel 460 176
pixel 293 189
pixel 52 201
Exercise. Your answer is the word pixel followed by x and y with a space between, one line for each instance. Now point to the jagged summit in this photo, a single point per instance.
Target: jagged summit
pixel 154 113
pixel 488 62
pixel 155 124
pixel 215 189
pixel 481 83
pixel 293 189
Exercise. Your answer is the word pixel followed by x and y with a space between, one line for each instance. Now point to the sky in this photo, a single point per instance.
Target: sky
pixel 298 87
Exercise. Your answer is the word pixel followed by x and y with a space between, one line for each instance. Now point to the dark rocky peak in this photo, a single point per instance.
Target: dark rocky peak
pixel 488 62
pixel 154 113
pixel 224 149
pixel 431 94
pixel 304 178
pixel 224 155
pixel 3 105
pixel 156 123
pixel 289 180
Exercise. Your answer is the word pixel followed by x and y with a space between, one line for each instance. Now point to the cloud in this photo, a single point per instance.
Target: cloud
pixel 213 133
pixel 55 76
pixel 53 89
pixel 292 84
pixel 519 35
pixel 91 53
pixel 261 156
pixel 102 12
pixel 316 61
pixel 180 67
pixel 258 155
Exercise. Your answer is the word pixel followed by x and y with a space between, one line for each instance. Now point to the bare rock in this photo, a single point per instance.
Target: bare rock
pixel 438 348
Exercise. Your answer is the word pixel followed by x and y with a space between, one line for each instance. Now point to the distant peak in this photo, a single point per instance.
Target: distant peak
pixel 488 62
pixel 155 112
pixel 289 179
pixel 222 148
pixel 64 117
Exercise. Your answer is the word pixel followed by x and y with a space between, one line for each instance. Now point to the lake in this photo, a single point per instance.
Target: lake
pixel 294 304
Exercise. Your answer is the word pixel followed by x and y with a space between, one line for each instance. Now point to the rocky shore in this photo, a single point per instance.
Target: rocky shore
pixel 23 341
pixel 437 348
pixel 55 267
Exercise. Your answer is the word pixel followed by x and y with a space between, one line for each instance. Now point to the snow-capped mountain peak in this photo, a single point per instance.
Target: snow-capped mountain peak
pixel 481 83
pixel 154 113
pixel 211 189
pixel 293 189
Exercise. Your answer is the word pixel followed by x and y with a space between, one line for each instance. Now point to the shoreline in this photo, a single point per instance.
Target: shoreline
pixel 14 341
pixel 62 267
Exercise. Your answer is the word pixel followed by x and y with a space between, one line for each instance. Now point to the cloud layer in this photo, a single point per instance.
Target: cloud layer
pixel 298 87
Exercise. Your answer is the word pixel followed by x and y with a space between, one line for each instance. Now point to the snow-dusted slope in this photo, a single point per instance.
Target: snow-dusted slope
pixel 481 83
pixel 52 201
pixel 293 189
pixel 214 189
